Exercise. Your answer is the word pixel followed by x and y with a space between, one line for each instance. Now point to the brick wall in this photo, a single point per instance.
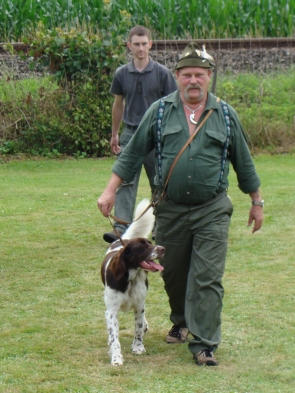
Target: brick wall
pixel 233 61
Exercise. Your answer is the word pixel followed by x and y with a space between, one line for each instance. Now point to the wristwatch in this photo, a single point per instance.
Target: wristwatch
pixel 258 203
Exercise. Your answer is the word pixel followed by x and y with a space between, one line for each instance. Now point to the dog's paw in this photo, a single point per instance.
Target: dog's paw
pixel 138 347
pixel 117 360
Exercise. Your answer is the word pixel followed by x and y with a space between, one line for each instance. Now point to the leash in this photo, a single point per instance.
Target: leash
pixel 152 204
pixel 115 230
pixel 125 222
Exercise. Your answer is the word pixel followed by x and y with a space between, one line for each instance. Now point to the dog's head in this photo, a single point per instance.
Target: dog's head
pixel 136 253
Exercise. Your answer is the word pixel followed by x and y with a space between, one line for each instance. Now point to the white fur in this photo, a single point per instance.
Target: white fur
pixel 117 301
pixel 135 295
pixel 143 226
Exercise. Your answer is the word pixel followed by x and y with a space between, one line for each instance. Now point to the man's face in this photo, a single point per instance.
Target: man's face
pixel 193 83
pixel 140 46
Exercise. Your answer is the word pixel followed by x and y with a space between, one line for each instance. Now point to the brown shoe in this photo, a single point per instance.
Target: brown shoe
pixel 177 335
pixel 205 357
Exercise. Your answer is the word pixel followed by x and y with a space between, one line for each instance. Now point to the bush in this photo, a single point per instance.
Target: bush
pixel 265 105
pixel 75 118
pixel 89 126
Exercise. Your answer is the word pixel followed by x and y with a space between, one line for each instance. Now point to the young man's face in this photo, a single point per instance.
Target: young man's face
pixel 140 46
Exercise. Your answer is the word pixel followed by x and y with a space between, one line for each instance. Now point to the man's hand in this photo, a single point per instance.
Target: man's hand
pixel 106 201
pixel 117 116
pixel 116 149
pixel 256 215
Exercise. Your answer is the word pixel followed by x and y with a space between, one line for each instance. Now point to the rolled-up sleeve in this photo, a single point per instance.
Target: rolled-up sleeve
pixel 240 157
pixel 139 146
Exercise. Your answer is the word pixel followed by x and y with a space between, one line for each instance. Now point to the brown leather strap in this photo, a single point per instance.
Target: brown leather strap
pixel 186 145
pixel 115 230
pixel 154 203
pixel 125 222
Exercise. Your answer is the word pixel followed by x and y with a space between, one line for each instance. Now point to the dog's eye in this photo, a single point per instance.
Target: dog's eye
pixel 127 250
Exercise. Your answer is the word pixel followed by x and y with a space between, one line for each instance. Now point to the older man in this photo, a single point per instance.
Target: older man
pixel 194 216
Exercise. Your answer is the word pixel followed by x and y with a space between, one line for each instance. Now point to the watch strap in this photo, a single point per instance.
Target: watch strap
pixel 258 203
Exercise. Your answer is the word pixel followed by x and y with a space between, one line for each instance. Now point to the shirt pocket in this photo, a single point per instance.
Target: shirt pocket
pixel 171 140
pixel 215 140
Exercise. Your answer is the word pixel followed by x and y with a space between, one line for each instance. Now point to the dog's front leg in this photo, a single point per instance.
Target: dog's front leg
pixel 140 328
pixel 114 343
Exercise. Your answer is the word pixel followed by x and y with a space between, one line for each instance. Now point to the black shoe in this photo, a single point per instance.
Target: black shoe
pixel 111 237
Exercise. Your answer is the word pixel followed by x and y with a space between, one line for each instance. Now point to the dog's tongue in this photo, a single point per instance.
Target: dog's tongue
pixel 151 266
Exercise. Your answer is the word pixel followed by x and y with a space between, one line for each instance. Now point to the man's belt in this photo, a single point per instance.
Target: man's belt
pixel 133 128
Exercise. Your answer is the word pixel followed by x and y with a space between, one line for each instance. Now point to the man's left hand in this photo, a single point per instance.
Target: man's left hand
pixel 256 215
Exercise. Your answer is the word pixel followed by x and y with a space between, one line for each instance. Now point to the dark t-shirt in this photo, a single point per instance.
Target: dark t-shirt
pixel 141 89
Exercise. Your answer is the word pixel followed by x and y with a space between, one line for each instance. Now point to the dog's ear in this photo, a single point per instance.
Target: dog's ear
pixel 118 267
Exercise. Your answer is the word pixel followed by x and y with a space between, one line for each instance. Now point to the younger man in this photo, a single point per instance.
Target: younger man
pixel 135 87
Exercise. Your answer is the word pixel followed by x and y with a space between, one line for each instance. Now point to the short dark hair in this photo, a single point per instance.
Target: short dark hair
pixel 139 30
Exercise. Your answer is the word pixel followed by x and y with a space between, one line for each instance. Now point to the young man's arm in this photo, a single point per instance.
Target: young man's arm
pixel 117 116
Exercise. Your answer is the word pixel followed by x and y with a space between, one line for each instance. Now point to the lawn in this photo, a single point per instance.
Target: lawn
pixel 52 329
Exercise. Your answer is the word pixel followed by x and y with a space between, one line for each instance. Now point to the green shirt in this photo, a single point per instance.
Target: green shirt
pixel 195 176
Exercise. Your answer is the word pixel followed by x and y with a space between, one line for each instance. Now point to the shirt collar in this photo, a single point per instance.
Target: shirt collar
pixel 174 98
pixel 148 68
pixel 211 102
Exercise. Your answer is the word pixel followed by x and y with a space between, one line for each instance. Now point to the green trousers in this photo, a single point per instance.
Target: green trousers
pixel 195 238
pixel 126 193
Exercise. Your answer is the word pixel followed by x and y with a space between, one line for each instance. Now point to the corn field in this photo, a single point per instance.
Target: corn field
pixel 166 18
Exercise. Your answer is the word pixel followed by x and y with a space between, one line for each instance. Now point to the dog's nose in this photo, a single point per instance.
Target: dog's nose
pixel 161 250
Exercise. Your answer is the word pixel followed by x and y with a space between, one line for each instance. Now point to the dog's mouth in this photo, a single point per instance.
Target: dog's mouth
pixel 151 266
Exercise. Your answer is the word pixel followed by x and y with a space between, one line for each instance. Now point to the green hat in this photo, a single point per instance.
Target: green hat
pixel 192 56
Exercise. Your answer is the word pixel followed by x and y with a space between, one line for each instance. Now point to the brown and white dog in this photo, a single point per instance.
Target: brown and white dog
pixel 124 274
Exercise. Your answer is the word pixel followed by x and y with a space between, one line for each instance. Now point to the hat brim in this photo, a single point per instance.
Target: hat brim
pixel 194 62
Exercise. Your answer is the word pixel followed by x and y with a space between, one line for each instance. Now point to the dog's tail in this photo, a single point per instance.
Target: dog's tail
pixel 143 226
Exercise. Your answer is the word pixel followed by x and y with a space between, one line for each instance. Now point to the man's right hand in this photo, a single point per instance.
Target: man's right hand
pixel 106 201
pixel 116 149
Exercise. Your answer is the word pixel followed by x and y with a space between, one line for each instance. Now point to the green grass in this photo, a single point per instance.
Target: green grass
pixel 52 329
pixel 11 90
